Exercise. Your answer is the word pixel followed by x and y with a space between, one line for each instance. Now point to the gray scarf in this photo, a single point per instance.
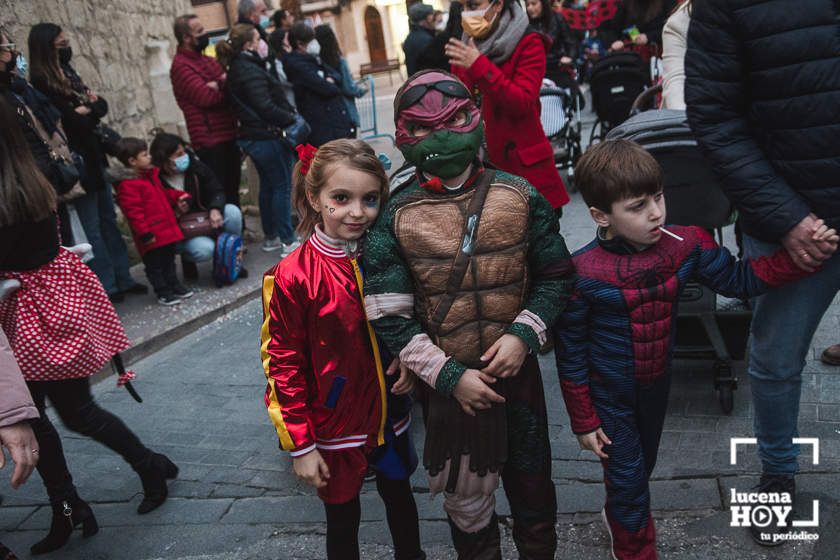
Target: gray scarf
pixel 500 44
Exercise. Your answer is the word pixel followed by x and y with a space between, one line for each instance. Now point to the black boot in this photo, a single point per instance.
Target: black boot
pixel 484 544
pixel 154 472
pixel 775 484
pixel 66 516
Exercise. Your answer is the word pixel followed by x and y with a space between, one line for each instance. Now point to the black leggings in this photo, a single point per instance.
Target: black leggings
pixel 74 404
pixel 343 522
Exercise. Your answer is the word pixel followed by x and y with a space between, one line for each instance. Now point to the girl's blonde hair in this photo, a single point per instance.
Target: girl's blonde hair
pixel 353 153
pixel 240 35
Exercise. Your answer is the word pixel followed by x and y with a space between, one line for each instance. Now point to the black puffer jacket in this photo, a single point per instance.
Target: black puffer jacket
pixel 258 98
pixel 763 92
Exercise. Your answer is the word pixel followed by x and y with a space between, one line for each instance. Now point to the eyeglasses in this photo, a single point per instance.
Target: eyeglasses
pixel 449 88
pixel 8 46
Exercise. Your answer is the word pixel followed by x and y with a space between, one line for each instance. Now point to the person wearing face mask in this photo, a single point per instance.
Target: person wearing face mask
pixel 81 112
pixel 255 13
pixel 181 170
pixel 318 88
pixel 279 43
pixel 198 82
pixel 421 22
pixel 262 110
pixel 40 123
pixel 504 59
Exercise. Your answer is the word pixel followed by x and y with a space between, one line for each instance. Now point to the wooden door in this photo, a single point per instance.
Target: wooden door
pixel 375 36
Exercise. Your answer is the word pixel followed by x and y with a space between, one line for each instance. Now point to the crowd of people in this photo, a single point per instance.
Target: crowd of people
pixel 376 308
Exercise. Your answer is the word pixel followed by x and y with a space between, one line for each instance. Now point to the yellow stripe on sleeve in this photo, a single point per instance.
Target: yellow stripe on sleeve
pixel 274 409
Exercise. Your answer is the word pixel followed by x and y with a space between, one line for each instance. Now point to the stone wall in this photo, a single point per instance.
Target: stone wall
pixel 121 48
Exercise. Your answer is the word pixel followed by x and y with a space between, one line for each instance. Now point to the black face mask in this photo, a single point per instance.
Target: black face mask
pixel 202 41
pixel 65 54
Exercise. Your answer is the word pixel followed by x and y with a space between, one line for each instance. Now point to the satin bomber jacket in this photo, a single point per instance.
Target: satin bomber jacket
pixel 326 385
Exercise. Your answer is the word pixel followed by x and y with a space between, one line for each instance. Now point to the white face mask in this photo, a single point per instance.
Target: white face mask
pixel 313 48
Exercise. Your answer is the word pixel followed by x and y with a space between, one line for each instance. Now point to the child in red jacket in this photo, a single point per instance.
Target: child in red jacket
pixel 150 211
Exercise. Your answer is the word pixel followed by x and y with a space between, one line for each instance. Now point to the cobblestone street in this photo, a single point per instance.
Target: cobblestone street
pixel 236 496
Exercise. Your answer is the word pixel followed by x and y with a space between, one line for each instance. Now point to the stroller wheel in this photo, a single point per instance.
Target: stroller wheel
pixel 726 398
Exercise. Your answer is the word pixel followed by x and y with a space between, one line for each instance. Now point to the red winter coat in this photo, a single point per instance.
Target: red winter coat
pixel 149 209
pixel 510 106
pixel 210 119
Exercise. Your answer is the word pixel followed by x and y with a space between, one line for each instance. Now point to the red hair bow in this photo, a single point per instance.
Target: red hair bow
pixel 306 153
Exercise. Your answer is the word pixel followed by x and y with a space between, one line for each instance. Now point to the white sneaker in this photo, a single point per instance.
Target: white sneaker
pixel 272 244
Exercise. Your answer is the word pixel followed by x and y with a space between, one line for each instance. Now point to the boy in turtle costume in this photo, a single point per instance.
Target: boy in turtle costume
pixel 465 273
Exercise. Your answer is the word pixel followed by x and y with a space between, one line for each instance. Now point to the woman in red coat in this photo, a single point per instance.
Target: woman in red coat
pixel 503 61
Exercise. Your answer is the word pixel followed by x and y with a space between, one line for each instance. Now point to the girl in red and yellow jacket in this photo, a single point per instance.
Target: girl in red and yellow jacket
pixel 334 407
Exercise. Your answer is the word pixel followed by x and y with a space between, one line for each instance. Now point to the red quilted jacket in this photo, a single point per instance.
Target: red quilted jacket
pixel 510 106
pixel 149 209
pixel 210 120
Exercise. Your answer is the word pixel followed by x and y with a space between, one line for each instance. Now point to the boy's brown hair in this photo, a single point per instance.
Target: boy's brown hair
pixel 128 147
pixel 616 170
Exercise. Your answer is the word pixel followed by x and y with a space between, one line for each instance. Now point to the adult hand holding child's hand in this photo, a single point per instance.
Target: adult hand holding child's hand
pixel 803 249
pixel 312 469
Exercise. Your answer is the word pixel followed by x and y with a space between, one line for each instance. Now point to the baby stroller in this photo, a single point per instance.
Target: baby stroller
pixel 560 109
pixel 617 79
pixel 693 196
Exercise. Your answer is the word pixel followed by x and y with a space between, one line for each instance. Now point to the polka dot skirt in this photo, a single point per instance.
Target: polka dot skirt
pixel 60 323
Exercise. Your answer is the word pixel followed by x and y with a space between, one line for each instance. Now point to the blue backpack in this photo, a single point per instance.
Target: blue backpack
pixel 227 259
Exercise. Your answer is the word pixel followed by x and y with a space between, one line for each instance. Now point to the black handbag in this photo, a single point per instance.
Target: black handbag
pixel 293 134
pixel 297 132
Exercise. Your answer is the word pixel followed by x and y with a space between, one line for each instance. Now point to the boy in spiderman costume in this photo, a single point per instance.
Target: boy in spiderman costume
pixel 465 273
pixel 615 339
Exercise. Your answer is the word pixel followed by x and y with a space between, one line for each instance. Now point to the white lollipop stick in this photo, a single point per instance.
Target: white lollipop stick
pixel 672 234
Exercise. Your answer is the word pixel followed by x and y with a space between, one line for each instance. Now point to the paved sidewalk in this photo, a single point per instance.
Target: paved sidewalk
pixel 237 498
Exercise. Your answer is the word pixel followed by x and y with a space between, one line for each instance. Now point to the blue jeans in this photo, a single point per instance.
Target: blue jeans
pixel 200 249
pixel 110 257
pixel 784 322
pixel 273 160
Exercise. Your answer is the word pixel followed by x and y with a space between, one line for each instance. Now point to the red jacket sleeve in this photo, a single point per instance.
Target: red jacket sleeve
pixel 188 84
pixel 520 92
pixel 283 350
pixel 130 199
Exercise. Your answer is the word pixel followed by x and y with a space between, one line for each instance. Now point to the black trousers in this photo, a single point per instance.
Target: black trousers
pixel 225 160
pixel 400 509
pixel 160 269
pixel 74 404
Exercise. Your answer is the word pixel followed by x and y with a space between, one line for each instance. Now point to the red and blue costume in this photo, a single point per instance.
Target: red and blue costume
pixel 615 344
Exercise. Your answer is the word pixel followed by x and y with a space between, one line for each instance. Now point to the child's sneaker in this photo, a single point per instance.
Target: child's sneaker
pixel 182 292
pixel 168 300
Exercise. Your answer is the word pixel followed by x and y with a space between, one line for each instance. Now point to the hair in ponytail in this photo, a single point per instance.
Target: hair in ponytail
pixel 240 35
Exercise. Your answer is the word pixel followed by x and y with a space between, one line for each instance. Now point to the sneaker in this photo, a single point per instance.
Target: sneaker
pixel 774 483
pixel 243 273
pixel 272 244
pixel 182 292
pixel 116 297
pixel 168 300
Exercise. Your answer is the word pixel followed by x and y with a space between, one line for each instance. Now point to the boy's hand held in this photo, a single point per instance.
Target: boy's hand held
pixel 506 356
pixel 312 469
pixel 407 381
pixel 595 442
pixel 473 393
